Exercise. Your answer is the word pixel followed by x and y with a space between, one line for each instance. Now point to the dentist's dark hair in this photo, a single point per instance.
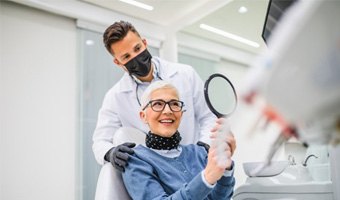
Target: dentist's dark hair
pixel 117 32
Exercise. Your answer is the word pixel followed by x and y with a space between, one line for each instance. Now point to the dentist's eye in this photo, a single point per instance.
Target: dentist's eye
pixel 138 48
pixel 126 57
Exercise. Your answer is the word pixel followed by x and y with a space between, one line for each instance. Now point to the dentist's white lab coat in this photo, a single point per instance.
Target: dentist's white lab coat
pixel 120 107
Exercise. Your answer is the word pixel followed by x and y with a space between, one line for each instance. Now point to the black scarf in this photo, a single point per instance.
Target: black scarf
pixel 154 141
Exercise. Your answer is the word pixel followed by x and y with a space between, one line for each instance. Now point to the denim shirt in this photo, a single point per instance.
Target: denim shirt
pixel 150 175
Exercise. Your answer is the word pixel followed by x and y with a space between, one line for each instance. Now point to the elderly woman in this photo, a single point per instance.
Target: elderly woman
pixel 164 169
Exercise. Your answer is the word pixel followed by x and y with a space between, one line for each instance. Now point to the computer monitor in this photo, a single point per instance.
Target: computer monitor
pixel 275 10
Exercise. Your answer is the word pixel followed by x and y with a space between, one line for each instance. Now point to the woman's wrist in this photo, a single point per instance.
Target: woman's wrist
pixel 208 177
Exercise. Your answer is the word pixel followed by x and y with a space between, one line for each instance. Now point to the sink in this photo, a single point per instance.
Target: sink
pixel 258 169
pixel 292 174
pixel 294 183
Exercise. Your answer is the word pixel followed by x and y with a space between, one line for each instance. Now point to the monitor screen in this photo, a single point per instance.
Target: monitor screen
pixel 275 10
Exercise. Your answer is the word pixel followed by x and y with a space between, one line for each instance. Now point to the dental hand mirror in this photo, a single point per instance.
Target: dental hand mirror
pixel 220 95
pixel 221 99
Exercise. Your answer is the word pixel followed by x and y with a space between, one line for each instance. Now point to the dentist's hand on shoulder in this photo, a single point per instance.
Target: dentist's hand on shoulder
pixel 118 156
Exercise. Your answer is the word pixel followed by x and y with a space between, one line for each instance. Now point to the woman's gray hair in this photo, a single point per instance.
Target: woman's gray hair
pixel 155 86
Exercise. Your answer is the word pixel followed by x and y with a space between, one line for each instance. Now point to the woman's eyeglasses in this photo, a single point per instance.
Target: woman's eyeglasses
pixel 159 105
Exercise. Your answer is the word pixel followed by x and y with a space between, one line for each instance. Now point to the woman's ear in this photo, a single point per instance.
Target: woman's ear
pixel 142 116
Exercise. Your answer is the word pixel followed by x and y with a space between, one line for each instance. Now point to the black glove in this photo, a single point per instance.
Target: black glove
pixel 205 145
pixel 118 156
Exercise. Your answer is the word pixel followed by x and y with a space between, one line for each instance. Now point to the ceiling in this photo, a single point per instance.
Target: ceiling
pixel 187 15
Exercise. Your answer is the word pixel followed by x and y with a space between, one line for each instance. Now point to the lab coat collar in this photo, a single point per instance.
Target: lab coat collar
pixel 165 71
pixel 126 83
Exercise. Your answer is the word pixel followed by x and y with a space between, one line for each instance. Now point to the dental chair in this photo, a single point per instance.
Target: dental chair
pixel 110 184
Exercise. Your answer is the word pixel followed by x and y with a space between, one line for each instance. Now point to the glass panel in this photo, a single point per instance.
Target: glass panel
pixel 98 74
pixel 203 67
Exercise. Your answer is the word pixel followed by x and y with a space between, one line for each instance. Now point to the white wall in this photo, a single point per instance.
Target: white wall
pixel 38 101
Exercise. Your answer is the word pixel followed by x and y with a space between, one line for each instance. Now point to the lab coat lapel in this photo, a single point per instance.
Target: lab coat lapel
pixel 126 83
pixel 166 69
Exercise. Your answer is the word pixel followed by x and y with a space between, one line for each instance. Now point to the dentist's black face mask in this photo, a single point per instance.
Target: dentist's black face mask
pixel 140 65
